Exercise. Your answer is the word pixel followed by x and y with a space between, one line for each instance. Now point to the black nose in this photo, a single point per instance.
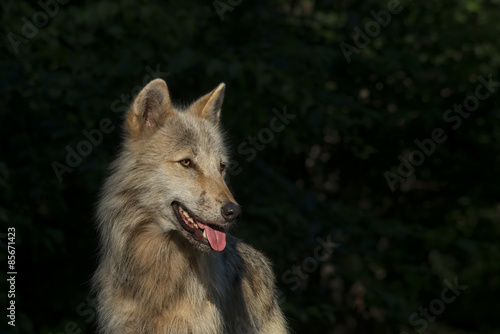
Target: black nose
pixel 230 211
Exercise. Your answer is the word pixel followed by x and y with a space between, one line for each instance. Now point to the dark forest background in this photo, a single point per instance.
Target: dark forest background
pixel 365 104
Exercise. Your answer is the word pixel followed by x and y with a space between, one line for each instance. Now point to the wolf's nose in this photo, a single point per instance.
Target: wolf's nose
pixel 230 211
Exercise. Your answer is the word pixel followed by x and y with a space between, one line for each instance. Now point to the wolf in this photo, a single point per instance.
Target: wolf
pixel 167 263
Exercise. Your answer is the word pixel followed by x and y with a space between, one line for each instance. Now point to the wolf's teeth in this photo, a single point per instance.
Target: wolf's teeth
pixel 190 220
pixel 195 225
pixel 204 234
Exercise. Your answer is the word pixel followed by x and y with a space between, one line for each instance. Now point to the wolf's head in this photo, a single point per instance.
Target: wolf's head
pixel 176 163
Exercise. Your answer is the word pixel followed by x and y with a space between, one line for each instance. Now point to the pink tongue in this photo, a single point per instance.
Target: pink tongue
pixel 217 239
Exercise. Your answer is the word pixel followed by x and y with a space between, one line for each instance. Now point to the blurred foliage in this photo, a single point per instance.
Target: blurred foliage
pixel 323 175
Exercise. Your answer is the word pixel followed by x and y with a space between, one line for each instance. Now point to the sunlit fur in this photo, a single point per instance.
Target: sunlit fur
pixel 153 277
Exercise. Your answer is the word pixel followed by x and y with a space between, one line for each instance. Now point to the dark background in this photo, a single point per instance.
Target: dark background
pixel 321 177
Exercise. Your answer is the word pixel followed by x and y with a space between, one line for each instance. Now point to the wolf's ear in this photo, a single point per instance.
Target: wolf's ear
pixel 149 110
pixel 209 106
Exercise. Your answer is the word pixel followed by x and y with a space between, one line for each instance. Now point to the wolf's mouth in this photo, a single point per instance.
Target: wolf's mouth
pixel 209 234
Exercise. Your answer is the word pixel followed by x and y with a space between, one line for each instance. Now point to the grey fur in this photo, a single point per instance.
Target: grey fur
pixel 153 276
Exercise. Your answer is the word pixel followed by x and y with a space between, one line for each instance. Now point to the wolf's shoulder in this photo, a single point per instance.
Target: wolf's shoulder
pixel 248 253
pixel 253 289
pixel 247 261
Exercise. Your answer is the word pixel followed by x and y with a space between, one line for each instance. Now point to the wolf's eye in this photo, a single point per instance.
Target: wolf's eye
pixel 186 162
pixel 222 167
